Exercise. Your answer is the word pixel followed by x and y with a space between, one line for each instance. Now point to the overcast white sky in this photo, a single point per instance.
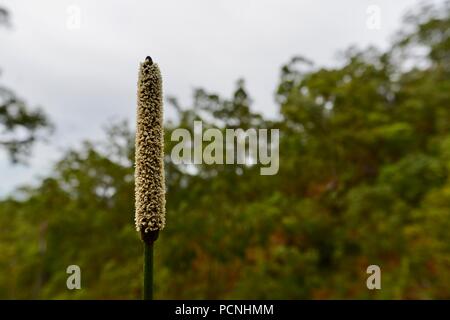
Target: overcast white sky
pixel 85 77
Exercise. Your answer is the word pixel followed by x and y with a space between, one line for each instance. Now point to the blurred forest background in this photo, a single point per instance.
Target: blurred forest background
pixel 364 179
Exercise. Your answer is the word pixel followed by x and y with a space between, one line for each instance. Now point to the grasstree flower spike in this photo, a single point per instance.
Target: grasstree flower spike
pixel 149 173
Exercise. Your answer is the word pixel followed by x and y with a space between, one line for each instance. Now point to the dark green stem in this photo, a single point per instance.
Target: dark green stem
pixel 148 271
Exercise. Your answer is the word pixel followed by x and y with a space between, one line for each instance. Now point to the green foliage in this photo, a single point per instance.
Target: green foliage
pixel 20 127
pixel 364 179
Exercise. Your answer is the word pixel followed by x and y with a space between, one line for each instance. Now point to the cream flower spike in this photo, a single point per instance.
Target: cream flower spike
pixel 149 172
